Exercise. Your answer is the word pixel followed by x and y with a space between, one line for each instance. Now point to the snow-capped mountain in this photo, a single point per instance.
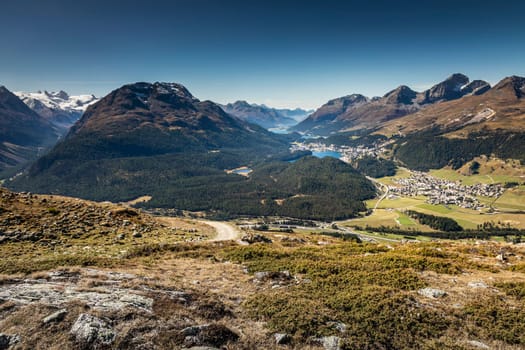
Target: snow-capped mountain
pixel 24 134
pixel 58 108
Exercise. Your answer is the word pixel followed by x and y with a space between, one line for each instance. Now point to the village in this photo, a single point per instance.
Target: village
pixel 445 192
pixel 438 191
pixel 345 153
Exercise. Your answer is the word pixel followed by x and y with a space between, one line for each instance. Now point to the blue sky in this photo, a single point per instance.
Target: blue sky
pixel 284 53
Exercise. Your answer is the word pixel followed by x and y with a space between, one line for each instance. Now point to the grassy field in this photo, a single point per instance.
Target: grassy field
pixel 373 291
pixel 438 209
pixel 387 217
pixel 389 212
pixel 401 202
pixel 513 199
pixel 377 218
pixel 453 175
pixel 404 220
pixel 469 219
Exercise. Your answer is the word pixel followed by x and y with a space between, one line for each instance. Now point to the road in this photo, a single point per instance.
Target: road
pixel 225 231
pixel 385 189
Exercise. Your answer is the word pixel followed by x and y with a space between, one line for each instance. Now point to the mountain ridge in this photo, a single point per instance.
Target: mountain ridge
pixel 394 104
pixel 500 107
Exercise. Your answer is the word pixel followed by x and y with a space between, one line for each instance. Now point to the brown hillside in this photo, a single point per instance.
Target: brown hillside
pixel 502 107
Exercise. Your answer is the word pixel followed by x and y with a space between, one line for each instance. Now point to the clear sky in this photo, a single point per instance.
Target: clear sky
pixel 284 53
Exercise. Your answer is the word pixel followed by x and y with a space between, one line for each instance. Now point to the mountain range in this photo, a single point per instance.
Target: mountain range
pixel 58 108
pixel 355 112
pixel 447 125
pixel 265 116
pixel 501 107
pixel 158 140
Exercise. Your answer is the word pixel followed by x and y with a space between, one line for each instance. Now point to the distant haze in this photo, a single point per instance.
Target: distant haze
pixel 284 54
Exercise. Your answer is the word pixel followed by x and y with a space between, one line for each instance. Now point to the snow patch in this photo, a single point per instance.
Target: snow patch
pixel 57 100
pixel 484 115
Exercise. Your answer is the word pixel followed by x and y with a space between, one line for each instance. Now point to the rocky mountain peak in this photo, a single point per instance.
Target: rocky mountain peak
pixel 4 93
pixel 54 95
pixel 514 83
pixel 173 89
pixel 63 95
pixel 163 106
pixel 144 95
pixel 347 101
pixel 403 94
pixel 239 104
pixel 457 78
pixel 449 89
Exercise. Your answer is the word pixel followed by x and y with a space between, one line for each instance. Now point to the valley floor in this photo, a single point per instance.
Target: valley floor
pixel 389 209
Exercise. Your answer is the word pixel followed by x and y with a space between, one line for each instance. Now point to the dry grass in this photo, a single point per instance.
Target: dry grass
pixel 212 291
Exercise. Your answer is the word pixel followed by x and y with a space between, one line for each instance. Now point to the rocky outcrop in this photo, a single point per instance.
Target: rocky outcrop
pixel 282 338
pixel 91 331
pixel 55 316
pixel 329 342
pixel 100 308
pixel 208 335
pixel 475 87
pixel 255 238
pixel 432 293
pixel 7 341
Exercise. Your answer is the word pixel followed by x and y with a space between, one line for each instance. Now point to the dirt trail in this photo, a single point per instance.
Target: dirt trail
pixel 225 231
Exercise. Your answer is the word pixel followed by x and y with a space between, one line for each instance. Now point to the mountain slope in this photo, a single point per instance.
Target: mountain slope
pixel 23 133
pixel 264 116
pixel 356 112
pixel 58 108
pixel 500 107
pixel 453 133
pixel 153 119
pixel 325 119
